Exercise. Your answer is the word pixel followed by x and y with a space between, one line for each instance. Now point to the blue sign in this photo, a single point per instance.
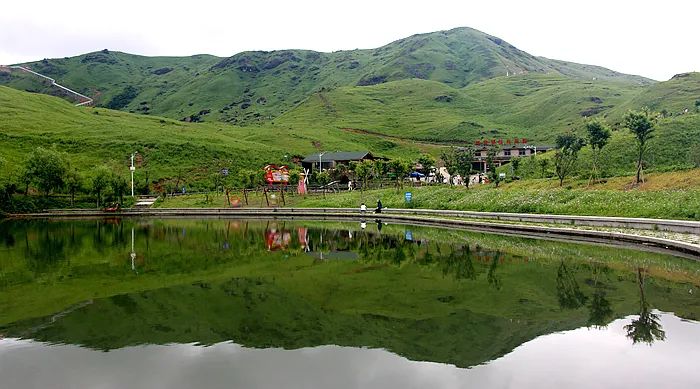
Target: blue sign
pixel 408 196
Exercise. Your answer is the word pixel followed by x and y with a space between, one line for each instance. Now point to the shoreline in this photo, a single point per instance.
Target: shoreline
pixel 588 229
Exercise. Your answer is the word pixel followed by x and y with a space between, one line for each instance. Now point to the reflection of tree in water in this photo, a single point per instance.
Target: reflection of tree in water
pixel 460 266
pixel 48 252
pixel 646 328
pixel 599 310
pixel 568 291
pixel 493 279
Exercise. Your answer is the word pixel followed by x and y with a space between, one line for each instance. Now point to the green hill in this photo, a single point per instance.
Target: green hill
pixel 259 86
pixel 535 106
pixel 410 96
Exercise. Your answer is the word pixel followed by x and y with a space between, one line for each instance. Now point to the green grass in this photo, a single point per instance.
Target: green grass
pixel 95 136
pixel 664 204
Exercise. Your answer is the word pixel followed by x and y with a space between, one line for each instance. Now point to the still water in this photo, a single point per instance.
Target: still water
pixel 255 304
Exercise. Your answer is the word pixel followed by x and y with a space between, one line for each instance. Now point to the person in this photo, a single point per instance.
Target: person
pixel 363 208
pixel 349 185
pixel 379 206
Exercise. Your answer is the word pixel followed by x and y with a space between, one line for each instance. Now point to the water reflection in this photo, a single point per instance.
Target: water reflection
pixel 647 327
pixel 600 359
pixel 426 294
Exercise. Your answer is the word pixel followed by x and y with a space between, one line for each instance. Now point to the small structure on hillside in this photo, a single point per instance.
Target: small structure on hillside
pixel 330 160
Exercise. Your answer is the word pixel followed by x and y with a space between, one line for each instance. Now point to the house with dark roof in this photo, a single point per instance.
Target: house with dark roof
pixel 329 160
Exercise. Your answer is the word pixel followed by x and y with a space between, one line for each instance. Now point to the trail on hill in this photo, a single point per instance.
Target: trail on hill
pixel 83 100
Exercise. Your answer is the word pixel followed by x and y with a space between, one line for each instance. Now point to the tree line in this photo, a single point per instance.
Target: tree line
pixel 49 171
pixel 641 124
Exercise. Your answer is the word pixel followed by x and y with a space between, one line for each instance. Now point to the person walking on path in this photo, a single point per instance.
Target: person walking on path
pixel 379 206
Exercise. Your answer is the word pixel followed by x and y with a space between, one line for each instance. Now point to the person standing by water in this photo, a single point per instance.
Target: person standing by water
pixel 379 206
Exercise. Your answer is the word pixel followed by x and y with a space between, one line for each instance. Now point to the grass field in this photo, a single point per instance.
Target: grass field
pixel 664 195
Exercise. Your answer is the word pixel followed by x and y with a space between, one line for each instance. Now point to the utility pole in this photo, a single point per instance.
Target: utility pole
pixel 319 161
pixel 132 168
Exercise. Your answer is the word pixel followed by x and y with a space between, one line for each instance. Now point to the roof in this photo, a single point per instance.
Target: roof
pixel 338 156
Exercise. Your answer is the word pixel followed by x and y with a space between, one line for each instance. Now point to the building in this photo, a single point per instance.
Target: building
pixel 330 160
pixel 507 149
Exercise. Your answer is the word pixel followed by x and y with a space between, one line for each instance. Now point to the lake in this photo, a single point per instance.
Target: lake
pixel 226 303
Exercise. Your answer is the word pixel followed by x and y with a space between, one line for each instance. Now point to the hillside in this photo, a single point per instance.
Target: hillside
pixel 530 105
pixel 259 86
pixel 94 136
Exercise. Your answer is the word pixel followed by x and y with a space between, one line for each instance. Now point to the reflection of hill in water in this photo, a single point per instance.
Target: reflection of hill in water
pixel 261 314
pixel 446 296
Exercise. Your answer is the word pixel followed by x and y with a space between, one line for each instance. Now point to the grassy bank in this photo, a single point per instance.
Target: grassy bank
pixel 665 195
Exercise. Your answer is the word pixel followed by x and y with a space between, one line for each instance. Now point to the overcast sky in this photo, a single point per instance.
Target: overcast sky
pixel 656 39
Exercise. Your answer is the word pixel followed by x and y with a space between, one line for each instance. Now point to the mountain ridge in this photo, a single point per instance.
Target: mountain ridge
pixel 257 86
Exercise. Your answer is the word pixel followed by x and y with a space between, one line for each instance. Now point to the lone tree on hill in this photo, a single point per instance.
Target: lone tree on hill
pixel 641 124
pixel 568 146
pixel 598 134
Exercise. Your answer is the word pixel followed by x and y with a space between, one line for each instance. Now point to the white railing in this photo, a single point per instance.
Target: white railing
pixel 86 100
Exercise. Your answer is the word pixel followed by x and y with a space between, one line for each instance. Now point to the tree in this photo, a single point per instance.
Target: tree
pixel 490 158
pixel 74 183
pixel 401 168
pixel 544 164
pixel 426 161
pixel 515 165
pixel 565 157
pixel 99 182
pixel 647 327
pixel 217 181
pixel 119 186
pixel 47 169
pixel 363 171
pixel 641 124
pixel 323 178
pixel 463 163
pixel 598 134
pixel 458 161
pixel 568 291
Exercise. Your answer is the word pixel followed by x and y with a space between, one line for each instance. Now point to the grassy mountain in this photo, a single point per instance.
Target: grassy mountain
pixel 410 96
pixel 259 86
pixel 93 136
pixel 530 105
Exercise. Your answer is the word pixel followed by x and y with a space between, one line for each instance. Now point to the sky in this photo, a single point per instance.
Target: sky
pixel 655 39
